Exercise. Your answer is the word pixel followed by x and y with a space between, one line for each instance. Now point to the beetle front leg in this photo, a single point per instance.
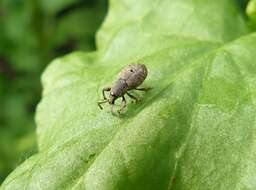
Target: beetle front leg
pixel 123 105
pixel 133 97
pixel 143 89
pixel 106 89
pixel 102 102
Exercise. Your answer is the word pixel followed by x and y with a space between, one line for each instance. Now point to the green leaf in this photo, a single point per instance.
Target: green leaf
pixel 194 130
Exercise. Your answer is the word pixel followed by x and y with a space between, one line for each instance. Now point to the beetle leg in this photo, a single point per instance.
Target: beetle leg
pixel 112 109
pixel 102 102
pixel 123 105
pixel 143 89
pixel 133 97
pixel 106 89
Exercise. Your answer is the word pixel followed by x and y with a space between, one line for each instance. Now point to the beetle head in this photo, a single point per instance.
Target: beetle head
pixel 112 98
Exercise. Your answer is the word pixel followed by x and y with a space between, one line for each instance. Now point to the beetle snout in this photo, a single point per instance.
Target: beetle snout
pixel 111 99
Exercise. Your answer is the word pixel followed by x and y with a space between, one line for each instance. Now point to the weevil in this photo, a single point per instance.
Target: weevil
pixel 130 78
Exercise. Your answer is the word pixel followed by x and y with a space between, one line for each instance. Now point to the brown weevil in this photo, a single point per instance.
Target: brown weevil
pixel 129 78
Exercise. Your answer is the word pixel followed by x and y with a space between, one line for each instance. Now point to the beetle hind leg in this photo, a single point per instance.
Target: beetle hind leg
pixel 133 97
pixel 143 89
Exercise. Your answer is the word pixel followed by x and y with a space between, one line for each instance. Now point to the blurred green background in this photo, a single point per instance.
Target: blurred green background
pixel 32 33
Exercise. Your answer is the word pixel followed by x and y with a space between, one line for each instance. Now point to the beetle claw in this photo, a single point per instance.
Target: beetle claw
pixel 135 101
pixel 100 107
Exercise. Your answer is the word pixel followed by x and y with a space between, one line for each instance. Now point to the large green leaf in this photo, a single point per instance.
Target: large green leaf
pixel 194 130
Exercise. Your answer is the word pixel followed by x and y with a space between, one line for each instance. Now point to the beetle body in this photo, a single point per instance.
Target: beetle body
pixel 133 75
pixel 128 79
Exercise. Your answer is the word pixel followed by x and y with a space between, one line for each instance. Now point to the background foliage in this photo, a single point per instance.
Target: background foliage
pixel 33 32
